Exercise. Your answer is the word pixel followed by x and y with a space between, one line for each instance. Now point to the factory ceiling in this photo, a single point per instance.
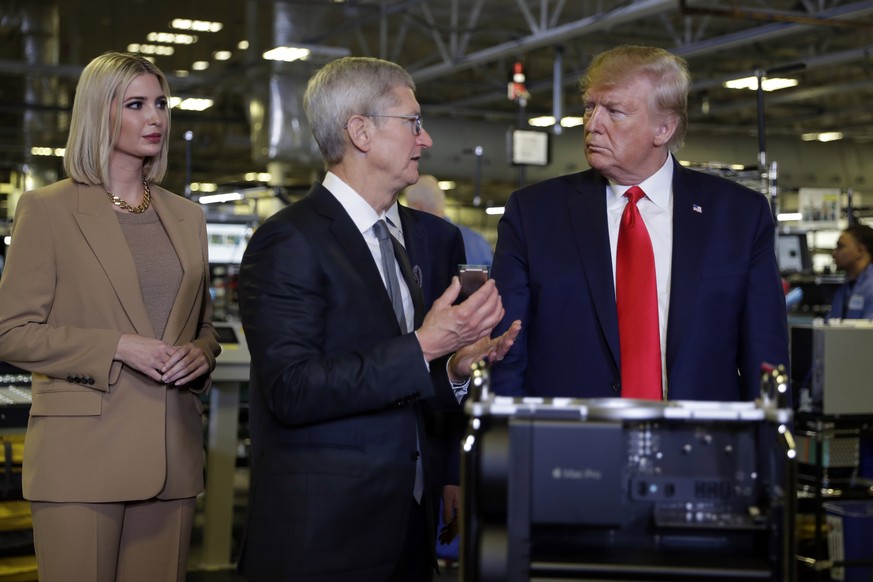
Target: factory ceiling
pixel 460 52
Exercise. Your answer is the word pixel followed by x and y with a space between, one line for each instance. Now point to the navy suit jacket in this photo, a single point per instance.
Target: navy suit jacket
pixel 336 392
pixel 553 268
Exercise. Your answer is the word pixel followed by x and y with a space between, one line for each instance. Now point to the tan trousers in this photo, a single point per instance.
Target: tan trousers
pixel 144 541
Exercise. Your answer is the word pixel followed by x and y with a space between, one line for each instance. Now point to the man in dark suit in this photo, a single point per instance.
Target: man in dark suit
pixel 343 352
pixel 719 305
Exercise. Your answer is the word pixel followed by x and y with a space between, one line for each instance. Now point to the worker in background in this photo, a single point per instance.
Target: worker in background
pixel 426 195
pixel 854 300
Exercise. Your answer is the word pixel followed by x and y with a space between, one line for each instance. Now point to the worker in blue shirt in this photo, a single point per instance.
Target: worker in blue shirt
pixel 426 195
pixel 854 255
pixel 854 300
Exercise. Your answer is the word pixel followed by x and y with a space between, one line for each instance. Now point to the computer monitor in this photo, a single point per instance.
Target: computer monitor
pixel 792 252
pixel 227 242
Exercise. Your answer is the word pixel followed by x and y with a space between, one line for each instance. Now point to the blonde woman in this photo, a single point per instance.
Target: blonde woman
pixel 105 299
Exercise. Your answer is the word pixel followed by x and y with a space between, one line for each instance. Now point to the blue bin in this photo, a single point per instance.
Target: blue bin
pixel 849 538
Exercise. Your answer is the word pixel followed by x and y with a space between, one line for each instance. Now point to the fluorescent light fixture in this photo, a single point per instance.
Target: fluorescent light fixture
pixel 191 103
pixel 787 216
pixel 171 38
pixel 204 186
pixel 446 184
pixel 242 45
pixel 767 84
pixel 221 55
pixel 494 210
pixel 47 151
pixel 549 121
pixel 7 240
pixel 200 65
pixel 150 49
pixel 287 54
pixel 195 25
pixel 684 163
pixel 181 73
pixel 542 121
pixel 258 177
pixel 823 137
pixel 215 198
pixel 737 167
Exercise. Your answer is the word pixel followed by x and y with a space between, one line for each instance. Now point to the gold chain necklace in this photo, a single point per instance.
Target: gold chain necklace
pixel 142 207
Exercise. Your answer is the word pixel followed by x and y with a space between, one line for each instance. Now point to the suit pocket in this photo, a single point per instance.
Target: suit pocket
pixel 68 403
pixel 319 460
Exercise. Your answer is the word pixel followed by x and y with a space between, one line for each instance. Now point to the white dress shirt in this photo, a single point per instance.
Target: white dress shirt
pixel 656 209
pixel 364 217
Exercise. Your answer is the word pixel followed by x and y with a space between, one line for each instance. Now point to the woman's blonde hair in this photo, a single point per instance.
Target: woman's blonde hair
pixel 92 137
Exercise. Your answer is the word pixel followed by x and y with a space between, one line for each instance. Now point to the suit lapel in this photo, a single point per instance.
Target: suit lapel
pixel 100 227
pixel 691 219
pixel 587 211
pixel 353 244
pixel 416 252
pixel 185 238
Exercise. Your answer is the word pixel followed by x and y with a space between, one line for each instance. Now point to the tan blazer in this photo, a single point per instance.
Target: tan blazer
pixel 100 431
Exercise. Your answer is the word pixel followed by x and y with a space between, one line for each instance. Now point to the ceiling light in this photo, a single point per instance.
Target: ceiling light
pixel 542 121
pixel 191 103
pixel 767 84
pixel 823 136
pixel 196 25
pixel 549 121
pixel 150 49
pixel 181 73
pixel 287 54
pixel 258 177
pixel 446 185
pixel 494 210
pixel 214 198
pixel 242 45
pixel 47 151
pixel 171 38
pixel 221 55
pixel 200 65
pixel 204 186
pixel 788 216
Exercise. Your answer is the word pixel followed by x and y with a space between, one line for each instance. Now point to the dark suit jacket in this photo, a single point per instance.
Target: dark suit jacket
pixel 335 393
pixel 554 272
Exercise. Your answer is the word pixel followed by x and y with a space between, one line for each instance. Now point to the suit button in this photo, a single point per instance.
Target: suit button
pixel 90 381
pixel 77 379
pixel 69 378
pixel 616 387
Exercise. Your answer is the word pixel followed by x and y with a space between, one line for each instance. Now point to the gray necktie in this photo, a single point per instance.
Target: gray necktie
pixel 389 266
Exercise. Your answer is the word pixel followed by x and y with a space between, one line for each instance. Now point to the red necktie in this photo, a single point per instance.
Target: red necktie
pixel 636 294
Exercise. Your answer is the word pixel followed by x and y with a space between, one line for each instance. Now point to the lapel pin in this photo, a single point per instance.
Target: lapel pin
pixel 696 208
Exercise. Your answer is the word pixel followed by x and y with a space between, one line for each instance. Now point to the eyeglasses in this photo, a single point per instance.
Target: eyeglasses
pixel 415 119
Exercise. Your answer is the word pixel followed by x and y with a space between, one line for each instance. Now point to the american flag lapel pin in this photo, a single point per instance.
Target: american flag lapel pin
pixel 696 208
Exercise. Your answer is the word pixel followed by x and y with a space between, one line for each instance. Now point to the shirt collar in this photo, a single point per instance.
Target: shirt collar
pixel 360 211
pixel 658 187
